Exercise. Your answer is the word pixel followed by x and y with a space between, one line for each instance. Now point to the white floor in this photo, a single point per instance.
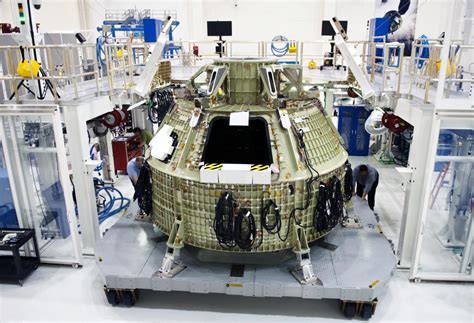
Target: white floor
pixel 55 293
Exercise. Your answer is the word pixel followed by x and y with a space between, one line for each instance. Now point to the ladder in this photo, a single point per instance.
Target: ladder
pixel 438 184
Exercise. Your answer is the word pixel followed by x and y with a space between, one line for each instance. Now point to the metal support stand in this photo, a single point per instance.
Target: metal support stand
pixel 171 266
pixel 303 271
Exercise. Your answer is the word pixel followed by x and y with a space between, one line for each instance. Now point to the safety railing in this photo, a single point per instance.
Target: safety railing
pixel 48 71
pixel 244 49
pixel 120 67
pixel 425 65
pixel 163 14
pixel 65 69
pixel 128 14
pixel 386 58
pixel 123 61
pixel 197 53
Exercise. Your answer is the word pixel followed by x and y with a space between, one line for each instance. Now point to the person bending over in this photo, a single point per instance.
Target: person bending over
pixel 133 169
pixel 367 178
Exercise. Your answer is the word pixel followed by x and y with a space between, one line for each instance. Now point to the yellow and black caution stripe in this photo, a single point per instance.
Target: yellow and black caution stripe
pixel 213 166
pixel 259 167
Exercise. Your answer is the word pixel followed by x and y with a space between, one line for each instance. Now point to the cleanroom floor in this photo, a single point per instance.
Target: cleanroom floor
pixel 56 293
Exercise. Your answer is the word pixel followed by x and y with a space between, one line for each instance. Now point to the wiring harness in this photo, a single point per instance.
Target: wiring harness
pixel 224 220
pixel 314 175
pixel 240 229
pixel 348 182
pixel 245 230
pixel 143 189
pixel 274 226
pixel 160 102
pixel 234 230
pixel 330 207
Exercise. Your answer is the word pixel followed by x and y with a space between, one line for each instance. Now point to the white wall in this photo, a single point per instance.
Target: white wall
pixel 58 15
pixel 432 17
pixel 358 13
pixel 5 12
pixel 53 15
pixel 252 19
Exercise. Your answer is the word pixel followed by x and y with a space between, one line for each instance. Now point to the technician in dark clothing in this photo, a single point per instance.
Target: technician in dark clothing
pixel 367 178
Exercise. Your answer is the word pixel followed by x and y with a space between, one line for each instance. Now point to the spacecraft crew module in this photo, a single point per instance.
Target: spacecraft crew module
pixel 249 163
pixel 249 187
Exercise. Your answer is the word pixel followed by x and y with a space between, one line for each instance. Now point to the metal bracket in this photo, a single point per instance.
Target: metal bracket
pixel 294 75
pixel 170 265
pixel 303 271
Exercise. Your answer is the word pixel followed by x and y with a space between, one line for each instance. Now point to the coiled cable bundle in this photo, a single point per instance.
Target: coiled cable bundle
pixel 159 104
pixel 245 231
pixel 330 208
pixel 224 220
pixel 280 51
pixel 320 216
pixel 110 204
pixel 274 226
pixel 348 182
pixel 336 202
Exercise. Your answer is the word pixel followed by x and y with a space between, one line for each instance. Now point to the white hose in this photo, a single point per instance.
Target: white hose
pixel 373 124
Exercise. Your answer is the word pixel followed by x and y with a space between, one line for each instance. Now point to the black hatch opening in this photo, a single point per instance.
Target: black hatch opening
pixel 227 144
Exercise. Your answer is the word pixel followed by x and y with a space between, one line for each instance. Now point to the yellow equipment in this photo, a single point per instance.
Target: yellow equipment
pixel 28 68
pixel 119 53
pixel 451 68
pixel 312 64
pixel 292 47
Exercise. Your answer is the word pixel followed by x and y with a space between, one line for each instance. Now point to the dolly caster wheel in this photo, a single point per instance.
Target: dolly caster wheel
pixel 349 309
pixel 366 311
pixel 129 298
pixel 113 296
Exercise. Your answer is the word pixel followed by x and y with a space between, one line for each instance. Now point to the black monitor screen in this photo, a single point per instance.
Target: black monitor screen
pixel 327 30
pixel 219 28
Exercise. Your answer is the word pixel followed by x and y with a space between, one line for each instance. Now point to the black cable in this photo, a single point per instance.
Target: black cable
pixel 309 183
pixel 320 215
pixel 161 101
pixel 245 231
pixel 33 43
pixel 37 190
pixel 348 182
pixel 335 200
pixel 272 227
pixel 330 206
pixel 224 221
